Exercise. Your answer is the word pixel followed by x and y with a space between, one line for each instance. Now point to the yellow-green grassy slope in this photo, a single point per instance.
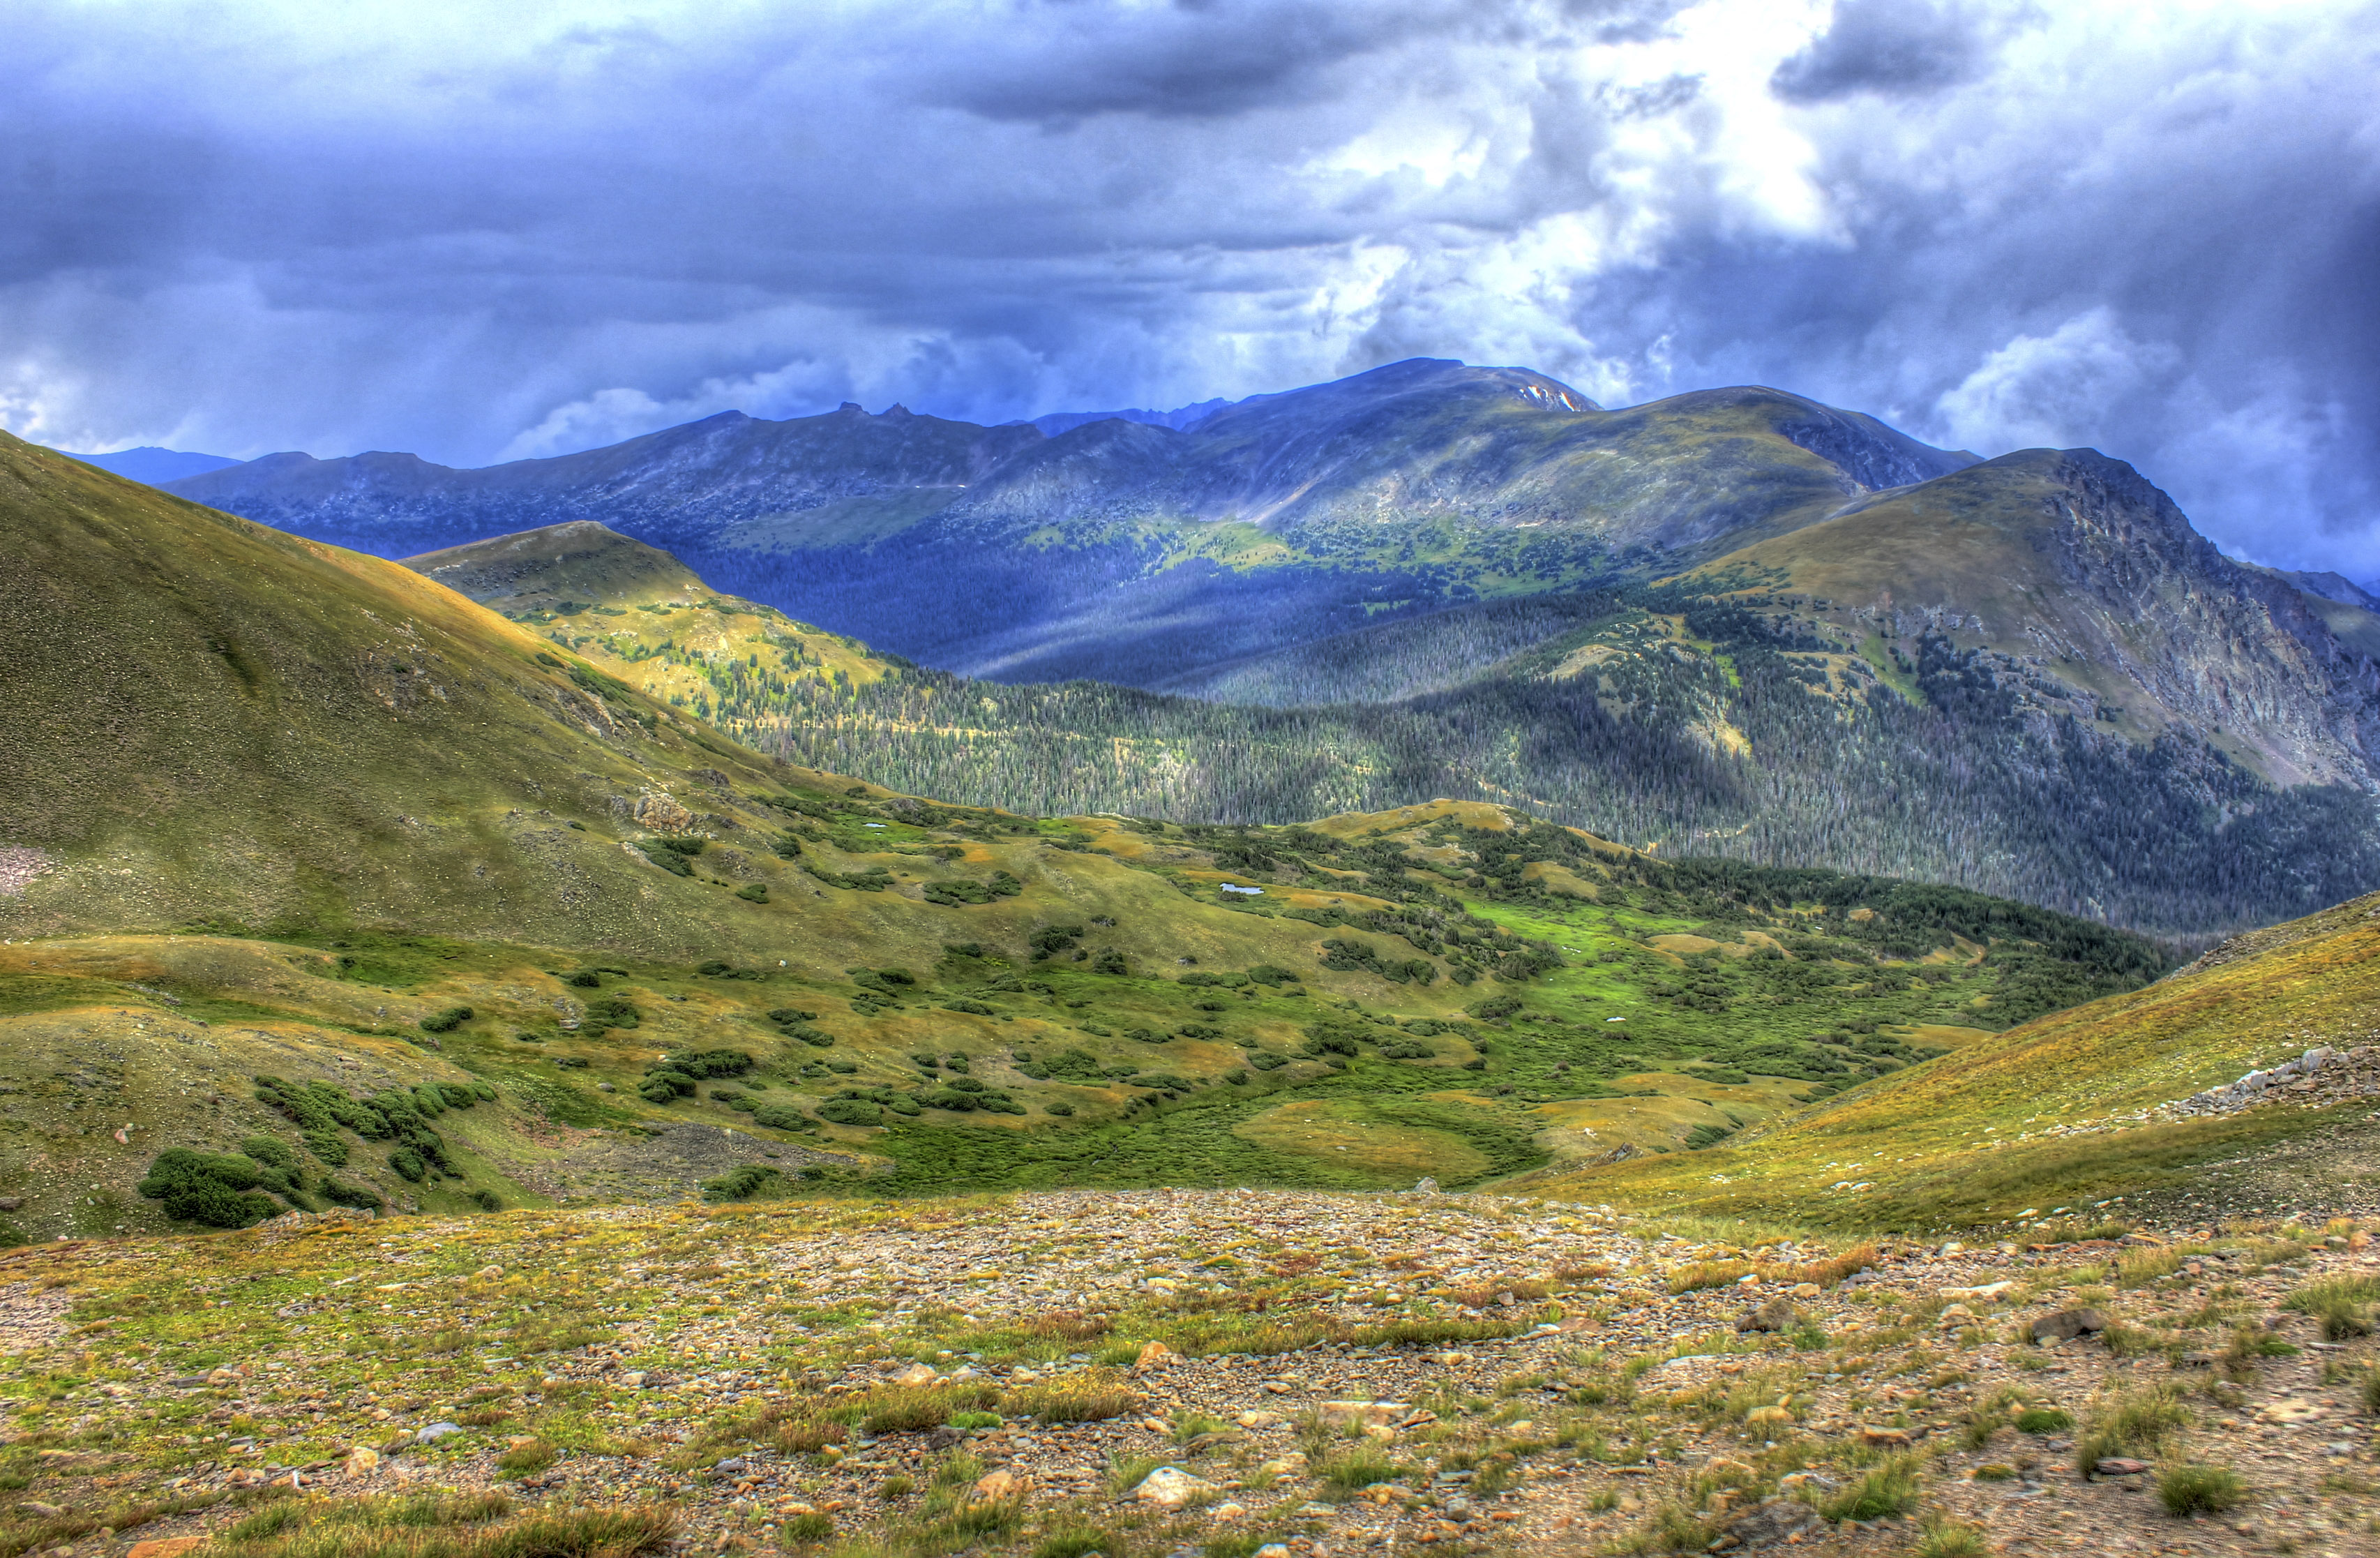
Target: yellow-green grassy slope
pixel 2056 1112
pixel 641 615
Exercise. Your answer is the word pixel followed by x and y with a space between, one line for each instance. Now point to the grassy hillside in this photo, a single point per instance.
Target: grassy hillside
pixel 1708 716
pixel 2062 1109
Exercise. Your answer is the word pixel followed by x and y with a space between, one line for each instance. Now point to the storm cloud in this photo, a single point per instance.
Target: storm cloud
pixel 2151 228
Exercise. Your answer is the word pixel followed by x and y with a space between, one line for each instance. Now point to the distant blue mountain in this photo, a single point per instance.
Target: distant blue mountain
pixel 1180 420
pixel 155 466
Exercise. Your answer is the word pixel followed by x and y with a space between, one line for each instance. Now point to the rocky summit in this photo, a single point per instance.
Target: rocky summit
pixel 1189 1372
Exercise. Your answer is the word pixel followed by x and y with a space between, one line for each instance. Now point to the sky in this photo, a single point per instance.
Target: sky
pixel 482 233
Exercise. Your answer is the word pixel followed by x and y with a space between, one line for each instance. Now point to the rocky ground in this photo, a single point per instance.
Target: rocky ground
pixel 1209 1372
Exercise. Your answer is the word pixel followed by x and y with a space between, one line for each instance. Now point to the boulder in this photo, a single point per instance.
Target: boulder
pixel 1153 1355
pixel 916 1374
pixel 1000 1485
pixel 1171 1487
pixel 1770 1522
pixel 2067 1324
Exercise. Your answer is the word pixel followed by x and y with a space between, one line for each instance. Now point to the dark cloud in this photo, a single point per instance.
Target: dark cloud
pixel 1889 46
pixel 479 234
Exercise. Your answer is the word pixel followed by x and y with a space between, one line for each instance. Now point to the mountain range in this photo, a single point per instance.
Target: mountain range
pixel 323 883
pixel 1735 622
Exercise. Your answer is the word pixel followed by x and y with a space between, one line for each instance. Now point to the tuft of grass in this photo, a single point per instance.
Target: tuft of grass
pixel 2189 1488
pixel 1358 1467
pixel 1088 1402
pixel 2140 1423
pixel 1709 1273
pixel 2342 1304
pixel 814 1526
pixel 2044 1420
pixel 1888 1488
pixel 460 1525
pixel 526 1460
pixel 1952 1539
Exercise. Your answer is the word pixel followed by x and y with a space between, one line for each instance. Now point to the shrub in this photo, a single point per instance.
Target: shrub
pixel 448 1020
pixel 356 1196
pixel 1265 1060
pixel 409 1164
pixel 661 854
pixel 742 1184
pixel 611 1012
pixel 782 1117
pixel 788 1016
pixel 456 1095
pixel 975 1009
pixel 585 979
pixel 706 1062
pixel 2199 1489
pixel 217 1190
pixel 753 891
pixel 1060 1109
pixel 854 1112
pixel 270 1151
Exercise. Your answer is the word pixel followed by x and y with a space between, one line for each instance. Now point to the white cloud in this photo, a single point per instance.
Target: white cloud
pixel 2056 391
pixel 2146 225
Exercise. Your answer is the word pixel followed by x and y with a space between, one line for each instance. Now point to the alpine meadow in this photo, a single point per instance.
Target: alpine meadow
pixel 1760 930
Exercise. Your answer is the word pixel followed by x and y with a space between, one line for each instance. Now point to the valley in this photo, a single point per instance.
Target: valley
pixel 531 1047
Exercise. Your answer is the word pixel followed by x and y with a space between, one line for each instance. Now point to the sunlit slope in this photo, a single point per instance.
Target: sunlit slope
pixel 2060 1110
pixel 2059 583
pixel 214 721
pixel 640 614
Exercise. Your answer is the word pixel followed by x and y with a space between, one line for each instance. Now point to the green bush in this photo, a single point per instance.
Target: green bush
pixel 754 893
pixel 705 1063
pixel 788 1016
pixel 215 1189
pixel 742 1184
pixel 456 1095
pixel 448 1020
pixel 357 1196
pixel 1061 1109
pixel 428 1100
pixel 2043 1419
pixel 852 1111
pixel 270 1151
pixel 781 1117
pixel 585 979
pixel 409 1164
pixel 662 854
pixel 1265 1060
pixel 975 1009
pixel 611 1012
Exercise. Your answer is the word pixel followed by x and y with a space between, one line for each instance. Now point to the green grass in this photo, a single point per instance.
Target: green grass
pixel 2188 1489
